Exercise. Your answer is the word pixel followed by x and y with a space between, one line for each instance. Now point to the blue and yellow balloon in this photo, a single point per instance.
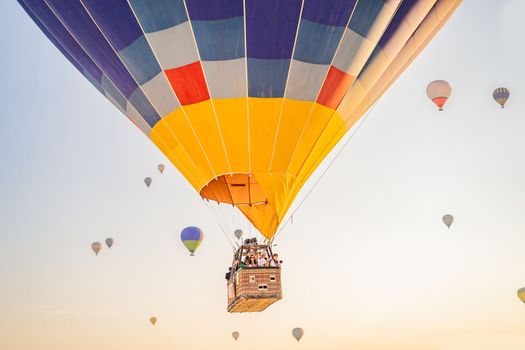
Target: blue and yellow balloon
pixel 192 238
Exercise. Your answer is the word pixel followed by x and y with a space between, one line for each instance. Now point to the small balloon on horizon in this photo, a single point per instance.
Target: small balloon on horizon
pixel 448 220
pixel 109 242
pixel 438 91
pixel 96 246
pixel 191 237
pixel 521 294
pixel 238 233
pixel 297 333
pixel 501 95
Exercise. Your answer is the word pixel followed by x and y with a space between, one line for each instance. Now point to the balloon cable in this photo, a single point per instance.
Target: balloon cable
pixel 215 216
pixel 363 120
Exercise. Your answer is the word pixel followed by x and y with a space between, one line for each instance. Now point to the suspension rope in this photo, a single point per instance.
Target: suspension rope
pixel 232 215
pixel 215 216
pixel 363 120
pixel 221 212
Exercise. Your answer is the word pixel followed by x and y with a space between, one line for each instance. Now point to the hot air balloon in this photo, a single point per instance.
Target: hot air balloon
pixel 235 335
pixel 161 168
pixel 238 233
pixel 448 220
pixel 501 95
pixel 153 320
pixel 297 333
pixel 439 91
pixel 147 181
pixel 192 238
pixel 96 246
pixel 521 294
pixel 246 98
pixel 109 242
pixel 189 73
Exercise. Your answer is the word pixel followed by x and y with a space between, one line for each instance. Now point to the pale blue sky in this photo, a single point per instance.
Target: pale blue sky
pixel 368 263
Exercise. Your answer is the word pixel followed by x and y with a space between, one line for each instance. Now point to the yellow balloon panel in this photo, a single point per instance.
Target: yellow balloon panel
pixel 293 117
pixel 234 128
pixel 331 134
pixel 176 132
pixel 205 124
pixel 264 115
pixel 165 139
pixel 319 123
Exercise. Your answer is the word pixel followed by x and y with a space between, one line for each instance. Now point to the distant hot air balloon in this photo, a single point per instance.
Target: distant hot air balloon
pixel 439 91
pixel 297 333
pixel 96 246
pixel 109 242
pixel 161 168
pixel 245 98
pixel 448 220
pixel 147 181
pixel 238 233
pixel 153 320
pixel 501 95
pixel 192 238
pixel 235 335
pixel 521 294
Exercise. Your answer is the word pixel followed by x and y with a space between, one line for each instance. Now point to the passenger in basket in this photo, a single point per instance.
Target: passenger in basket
pixel 274 261
pixel 245 263
pixel 253 261
pixel 263 259
pixel 235 265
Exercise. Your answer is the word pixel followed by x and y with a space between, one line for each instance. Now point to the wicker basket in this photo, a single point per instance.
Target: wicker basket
pixel 254 289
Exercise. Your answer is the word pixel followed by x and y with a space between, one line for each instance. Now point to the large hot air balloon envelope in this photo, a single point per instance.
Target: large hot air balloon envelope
pixel 96 246
pixel 245 97
pixel 192 238
pixel 521 294
pixel 439 91
pixel 501 95
pixel 297 333
pixel 235 335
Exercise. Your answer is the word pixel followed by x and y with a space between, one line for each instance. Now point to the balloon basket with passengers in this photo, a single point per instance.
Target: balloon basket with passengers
pixel 254 279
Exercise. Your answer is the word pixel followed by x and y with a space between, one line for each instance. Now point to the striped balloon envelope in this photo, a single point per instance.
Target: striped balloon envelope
pixel 245 97
pixel 501 95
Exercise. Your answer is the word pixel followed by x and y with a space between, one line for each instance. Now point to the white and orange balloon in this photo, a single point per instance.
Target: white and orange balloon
pixel 439 91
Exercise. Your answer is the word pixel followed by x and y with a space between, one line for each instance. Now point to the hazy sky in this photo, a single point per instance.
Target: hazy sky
pixel 368 263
